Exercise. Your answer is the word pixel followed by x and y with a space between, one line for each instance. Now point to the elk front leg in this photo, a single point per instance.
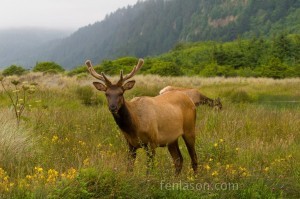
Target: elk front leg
pixel 131 157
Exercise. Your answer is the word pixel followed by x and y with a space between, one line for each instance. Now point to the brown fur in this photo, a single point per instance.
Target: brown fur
pixel 197 97
pixel 151 122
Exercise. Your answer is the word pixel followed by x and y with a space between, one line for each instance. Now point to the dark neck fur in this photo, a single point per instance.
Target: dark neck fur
pixel 124 119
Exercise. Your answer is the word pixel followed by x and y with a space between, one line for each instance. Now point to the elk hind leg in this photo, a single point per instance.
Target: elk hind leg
pixel 190 144
pixel 176 155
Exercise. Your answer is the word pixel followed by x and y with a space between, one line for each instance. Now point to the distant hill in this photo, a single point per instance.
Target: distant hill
pixel 19 46
pixel 152 27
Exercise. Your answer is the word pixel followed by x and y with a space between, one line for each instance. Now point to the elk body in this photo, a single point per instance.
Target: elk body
pixel 197 97
pixel 150 122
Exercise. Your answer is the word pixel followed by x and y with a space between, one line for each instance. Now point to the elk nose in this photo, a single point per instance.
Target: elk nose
pixel 113 108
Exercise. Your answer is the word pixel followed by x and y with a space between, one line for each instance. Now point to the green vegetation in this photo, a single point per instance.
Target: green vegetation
pixel 48 67
pixel 13 70
pixel 65 149
pixel 257 57
pixel 152 27
pixel 278 57
pixel 18 96
pixel 88 96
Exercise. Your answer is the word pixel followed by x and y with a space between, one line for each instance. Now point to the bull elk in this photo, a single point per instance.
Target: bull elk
pixel 197 97
pixel 150 122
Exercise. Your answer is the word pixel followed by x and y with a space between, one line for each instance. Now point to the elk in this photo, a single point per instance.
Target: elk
pixel 150 122
pixel 197 97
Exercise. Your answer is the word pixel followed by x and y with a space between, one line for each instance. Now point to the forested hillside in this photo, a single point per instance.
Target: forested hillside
pixel 277 57
pixel 152 27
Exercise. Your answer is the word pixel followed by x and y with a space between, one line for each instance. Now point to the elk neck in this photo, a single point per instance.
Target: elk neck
pixel 125 119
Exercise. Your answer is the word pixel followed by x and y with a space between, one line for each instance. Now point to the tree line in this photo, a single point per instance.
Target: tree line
pixel 278 57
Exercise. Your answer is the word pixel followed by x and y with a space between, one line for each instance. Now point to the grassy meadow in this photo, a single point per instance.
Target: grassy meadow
pixel 68 146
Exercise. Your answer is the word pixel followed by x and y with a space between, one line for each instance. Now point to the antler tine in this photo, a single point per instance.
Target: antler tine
pixel 92 71
pixel 132 73
pixel 106 79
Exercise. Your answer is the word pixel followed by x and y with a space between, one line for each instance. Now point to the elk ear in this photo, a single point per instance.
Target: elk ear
pixel 129 85
pixel 100 86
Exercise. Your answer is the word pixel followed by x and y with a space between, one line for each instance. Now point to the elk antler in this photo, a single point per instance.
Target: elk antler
pixel 131 74
pixel 92 71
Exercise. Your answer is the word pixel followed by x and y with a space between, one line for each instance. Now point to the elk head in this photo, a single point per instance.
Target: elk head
pixel 217 104
pixel 114 92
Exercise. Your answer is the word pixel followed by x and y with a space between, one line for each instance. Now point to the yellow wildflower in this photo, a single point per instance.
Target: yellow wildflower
pixel 82 143
pixel 86 162
pixel 28 177
pixel 52 176
pixel 266 169
pixel 54 138
pixel 70 174
pixel 38 169
pixel 207 167
pixel 215 173
pixel 227 166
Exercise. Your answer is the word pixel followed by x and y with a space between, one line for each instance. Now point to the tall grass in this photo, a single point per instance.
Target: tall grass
pixel 66 149
pixel 17 145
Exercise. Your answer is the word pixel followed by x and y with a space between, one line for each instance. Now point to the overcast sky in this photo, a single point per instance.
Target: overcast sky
pixel 56 14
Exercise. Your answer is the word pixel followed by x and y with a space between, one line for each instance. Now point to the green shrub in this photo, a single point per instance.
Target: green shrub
pixel 113 67
pixel 51 72
pixel 82 76
pixel 240 96
pixel 126 61
pixel 88 97
pixel 247 72
pixel 210 70
pixel 77 70
pixel 226 71
pixel 13 70
pixel 48 67
pixel 163 68
pixel 275 69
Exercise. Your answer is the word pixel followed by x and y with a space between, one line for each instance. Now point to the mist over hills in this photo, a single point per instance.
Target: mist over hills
pixel 20 45
pixel 152 27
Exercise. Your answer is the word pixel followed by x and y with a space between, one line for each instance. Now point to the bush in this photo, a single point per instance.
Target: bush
pixel 88 97
pixel 113 67
pixel 247 72
pixel 163 68
pixel 209 70
pixel 77 70
pixel 275 69
pixel 48 67
pixel 240 96
pixel 14 70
